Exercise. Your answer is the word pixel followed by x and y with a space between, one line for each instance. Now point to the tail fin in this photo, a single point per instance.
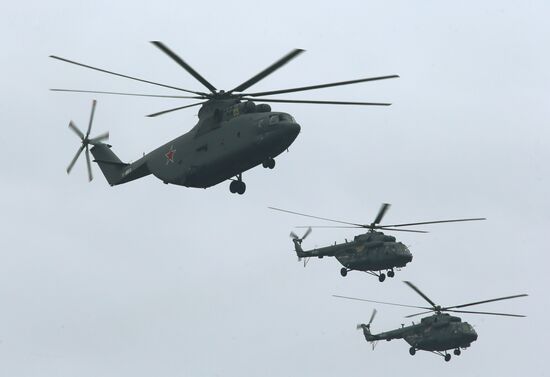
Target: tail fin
pixel 298 248
pixel 298 243
pixel 366 331
pixel 111 166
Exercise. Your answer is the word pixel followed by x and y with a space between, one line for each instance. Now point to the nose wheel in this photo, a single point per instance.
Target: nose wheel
pixel 238 186
pixel 343 271
pixel 269 163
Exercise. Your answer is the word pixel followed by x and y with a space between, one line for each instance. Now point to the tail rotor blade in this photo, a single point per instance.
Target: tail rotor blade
pixel 91 118
pixel 308 231
pixel 73 161
pixel 73 127
pixel 89 165
pixel 294 236
pixel 372 316
pixel 359 326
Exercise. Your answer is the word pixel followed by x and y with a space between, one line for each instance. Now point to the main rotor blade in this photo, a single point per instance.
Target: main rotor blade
pixel 183 64
pixel 73 127
pixel 420 293
pixel 380 302
pixel 486 313
pixel 94 103
pixel 125 76
pixel 317 102
pixel 330 226
pixel 485 301
pixel 437 222
pixel 99 138
pixel 123 94
pixel 401 230
pixel 88 164
pixel 308 231
pixel 269 70
pixel 73 161
pixel 360 226
pixel 315 217
pixel 381 213
pixel 174 109
pixel 421 313
pixel 303 88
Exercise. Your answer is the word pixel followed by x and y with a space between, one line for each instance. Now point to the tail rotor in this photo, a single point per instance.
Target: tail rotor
pixel 86 141
pixel 298 243
pixel 366 330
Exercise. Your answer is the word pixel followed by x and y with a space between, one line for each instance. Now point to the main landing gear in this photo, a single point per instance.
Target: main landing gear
pixel 446 356
pixel 380 275
pixel 269 163
pixel 237 186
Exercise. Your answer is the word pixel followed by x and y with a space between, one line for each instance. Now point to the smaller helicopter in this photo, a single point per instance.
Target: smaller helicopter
pixel 371 252
pixel 437 333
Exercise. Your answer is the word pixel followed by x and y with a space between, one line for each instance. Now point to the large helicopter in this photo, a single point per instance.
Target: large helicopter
pixel 371 252
pixel 233 134
pixel 437 333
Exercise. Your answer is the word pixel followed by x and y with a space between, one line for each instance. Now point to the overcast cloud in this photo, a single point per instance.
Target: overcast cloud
pixel 147 279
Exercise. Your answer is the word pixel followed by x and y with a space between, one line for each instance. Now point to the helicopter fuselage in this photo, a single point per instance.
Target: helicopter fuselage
pixel 439 332
pixel 226 142
pixel 372 251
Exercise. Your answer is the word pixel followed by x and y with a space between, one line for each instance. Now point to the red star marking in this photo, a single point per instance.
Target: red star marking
pixel 170 155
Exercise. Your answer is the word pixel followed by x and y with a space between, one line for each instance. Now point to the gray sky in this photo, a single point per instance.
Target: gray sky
pixel 146 279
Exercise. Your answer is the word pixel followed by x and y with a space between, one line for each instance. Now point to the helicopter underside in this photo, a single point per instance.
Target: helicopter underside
pixel 220 170
pixel 230 165
pixel 371 261
pixel 439 342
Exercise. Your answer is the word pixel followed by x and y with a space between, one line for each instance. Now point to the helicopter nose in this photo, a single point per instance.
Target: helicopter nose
pixel 292 128
pixel 288 131
pixel 407 256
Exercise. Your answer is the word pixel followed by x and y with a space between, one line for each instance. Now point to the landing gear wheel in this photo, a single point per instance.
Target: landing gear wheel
pixel 412 351
pixel 269 163
pixel 391 273
pixel 233 186
pixel 237 186
pixel 447 357
pixel 241 187
pixel 457 352
pixel 343 271
pixel 381 277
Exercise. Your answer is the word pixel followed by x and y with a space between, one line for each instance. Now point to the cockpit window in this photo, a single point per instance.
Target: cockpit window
pixel 273 119
pixel 286 118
